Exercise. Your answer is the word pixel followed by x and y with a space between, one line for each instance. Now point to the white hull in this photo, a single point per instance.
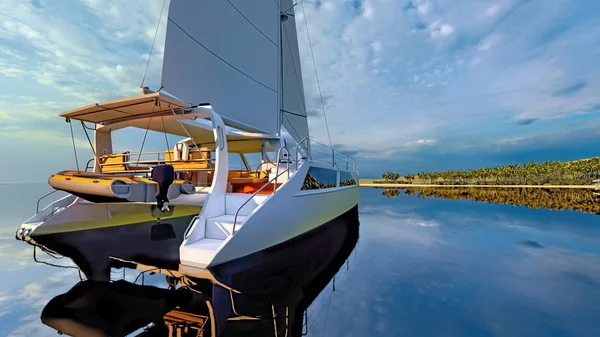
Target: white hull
pixel 288 213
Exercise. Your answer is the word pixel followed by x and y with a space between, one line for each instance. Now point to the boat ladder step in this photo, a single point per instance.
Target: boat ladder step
pixel 220 227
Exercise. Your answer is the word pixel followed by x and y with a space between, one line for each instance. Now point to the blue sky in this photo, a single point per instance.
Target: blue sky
pixel 408 85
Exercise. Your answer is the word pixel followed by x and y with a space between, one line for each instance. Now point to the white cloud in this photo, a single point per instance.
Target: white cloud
pixel 441 30
pixel 420 142
pixel 376 46
pixel 424 8
pixel 368 10
pixel 511 141
pixel 492 10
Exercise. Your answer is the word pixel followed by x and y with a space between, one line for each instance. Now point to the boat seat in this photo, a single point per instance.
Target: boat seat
pixel 117 163
pixel 114 162
pixel 249 180
pixel 182 159
pixel 251 185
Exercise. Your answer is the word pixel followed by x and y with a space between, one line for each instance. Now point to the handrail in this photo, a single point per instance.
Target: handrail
pixel 334 155
pixel 37 208
pixel 87 166
pixel 251 197
pixel 278 161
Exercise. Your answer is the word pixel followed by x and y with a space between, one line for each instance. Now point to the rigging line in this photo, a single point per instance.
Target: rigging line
pixel 142 148
pixel 293 113
pixel 298 78
pixel 220 58
pixel 87 127
pixel 153 40
pixel 191 138
pixel 292 125
pixel 74 148
pixel 326 317
pixel 319 312
pixel 50 264
pixel 316 74
pixel 250 22
pixel 89 141
pixel 165 132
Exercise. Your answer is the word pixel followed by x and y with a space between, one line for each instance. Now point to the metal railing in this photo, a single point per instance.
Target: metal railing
pixel 37 207
pixel 252 197
pixel 302 145
pixel 320 153
pixel 151 158
pixel 273 180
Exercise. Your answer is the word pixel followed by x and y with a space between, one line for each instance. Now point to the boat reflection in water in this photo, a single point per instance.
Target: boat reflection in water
pixel 270 298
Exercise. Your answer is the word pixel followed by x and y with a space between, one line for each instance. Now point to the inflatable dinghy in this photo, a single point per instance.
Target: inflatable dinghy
pixel 109 188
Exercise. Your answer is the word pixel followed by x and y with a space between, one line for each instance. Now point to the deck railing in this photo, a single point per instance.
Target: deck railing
pixel 316 152
pixel 144 161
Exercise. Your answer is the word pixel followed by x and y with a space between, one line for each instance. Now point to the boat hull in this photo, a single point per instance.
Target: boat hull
pixel 97 246
pixel 288 275
pixel 284 279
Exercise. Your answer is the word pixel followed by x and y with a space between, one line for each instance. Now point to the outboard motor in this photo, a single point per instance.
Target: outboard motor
pixel 163 175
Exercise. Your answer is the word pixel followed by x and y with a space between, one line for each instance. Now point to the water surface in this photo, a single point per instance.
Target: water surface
pixel 422 267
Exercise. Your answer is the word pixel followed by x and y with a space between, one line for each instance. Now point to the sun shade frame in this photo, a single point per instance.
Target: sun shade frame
pixel 136 107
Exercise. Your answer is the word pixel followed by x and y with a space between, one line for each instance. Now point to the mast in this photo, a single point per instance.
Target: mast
pixel 280 69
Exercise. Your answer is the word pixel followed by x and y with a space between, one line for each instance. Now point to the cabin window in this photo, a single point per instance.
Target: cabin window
pixel 346 179
pixel 319 178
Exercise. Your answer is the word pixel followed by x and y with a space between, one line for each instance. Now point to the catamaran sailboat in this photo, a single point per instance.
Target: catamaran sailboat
pixel 231 86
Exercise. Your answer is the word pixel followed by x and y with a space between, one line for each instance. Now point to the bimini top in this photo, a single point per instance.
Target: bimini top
pixel 144 106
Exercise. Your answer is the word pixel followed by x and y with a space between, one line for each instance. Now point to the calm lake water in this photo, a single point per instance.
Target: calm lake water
pixel 422 267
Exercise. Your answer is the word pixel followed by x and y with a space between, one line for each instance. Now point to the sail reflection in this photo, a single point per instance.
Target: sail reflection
pixel 269 299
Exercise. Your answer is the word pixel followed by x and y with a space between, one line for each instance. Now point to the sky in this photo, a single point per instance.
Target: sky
pixel 407 85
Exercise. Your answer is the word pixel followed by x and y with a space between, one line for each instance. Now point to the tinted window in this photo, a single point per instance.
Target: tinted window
pixel 318 178
pixel 346 179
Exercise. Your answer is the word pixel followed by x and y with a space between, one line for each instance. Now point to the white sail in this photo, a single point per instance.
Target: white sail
pixel 224 52
pixel 294 106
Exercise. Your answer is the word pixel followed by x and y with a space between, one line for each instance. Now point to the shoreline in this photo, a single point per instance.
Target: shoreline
pixel 391 185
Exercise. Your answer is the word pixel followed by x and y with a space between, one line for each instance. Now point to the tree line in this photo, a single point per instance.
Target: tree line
pixel 553 199
pixel 579 172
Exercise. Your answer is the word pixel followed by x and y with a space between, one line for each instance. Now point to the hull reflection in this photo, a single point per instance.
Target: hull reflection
pixel 273 288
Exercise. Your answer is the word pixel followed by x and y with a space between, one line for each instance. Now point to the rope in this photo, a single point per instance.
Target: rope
pixel 326 316
pixel 87 127
pixel 142 273
pixel 292 125
pixel 191 138
pixel 142 148
pixel 316 74
pixel 153 40
pixel 165 132
pixel 51 264
pixel 89 141
pixel 74 148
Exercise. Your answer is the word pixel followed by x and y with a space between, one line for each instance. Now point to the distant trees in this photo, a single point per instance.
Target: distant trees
pixel 579 172
pixel 390 176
